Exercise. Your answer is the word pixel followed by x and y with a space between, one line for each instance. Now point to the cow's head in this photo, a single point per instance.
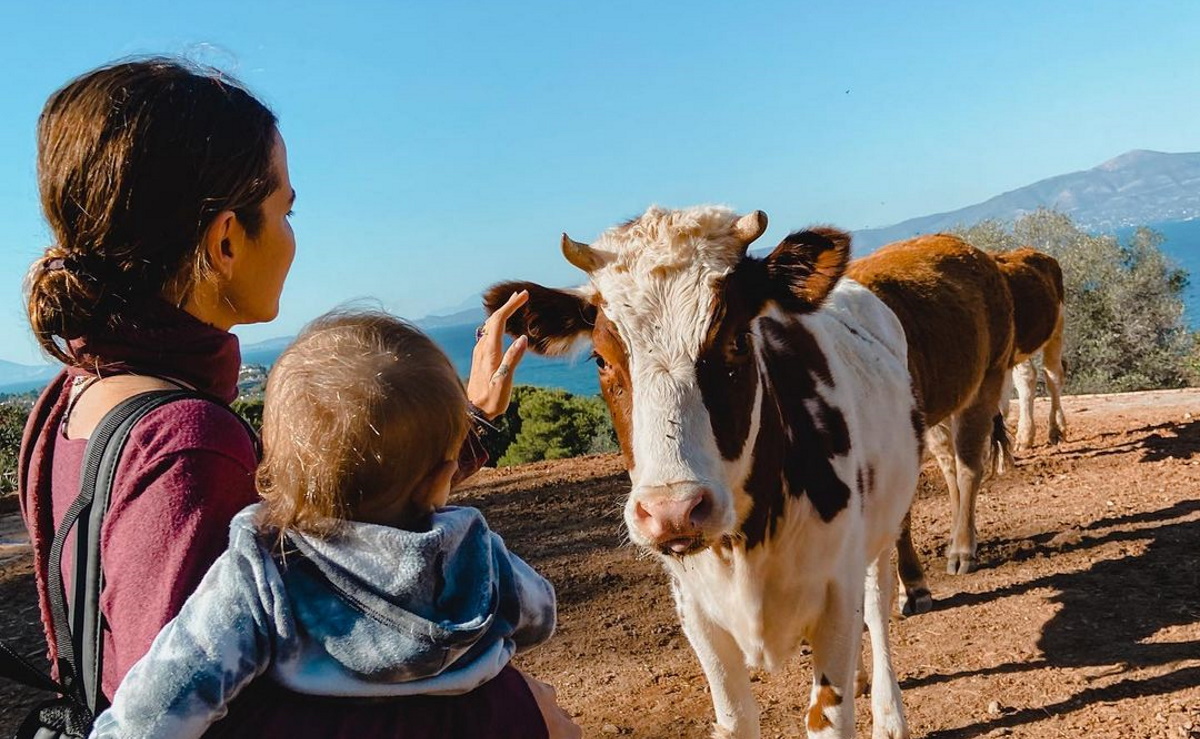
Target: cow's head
pixel 682 325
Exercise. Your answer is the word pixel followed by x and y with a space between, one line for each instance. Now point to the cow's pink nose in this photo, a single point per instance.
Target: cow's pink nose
pixel 673 521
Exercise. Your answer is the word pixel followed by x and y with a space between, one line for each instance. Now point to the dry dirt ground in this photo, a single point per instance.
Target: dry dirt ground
pixel 1082 621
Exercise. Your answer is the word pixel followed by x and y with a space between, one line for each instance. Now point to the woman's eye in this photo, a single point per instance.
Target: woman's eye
pixel 290 213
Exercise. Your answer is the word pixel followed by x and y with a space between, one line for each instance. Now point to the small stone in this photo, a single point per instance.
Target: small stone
pixel 611 729
pixel 994 708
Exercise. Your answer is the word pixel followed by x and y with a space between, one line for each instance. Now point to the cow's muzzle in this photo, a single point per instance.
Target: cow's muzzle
pixel 674 519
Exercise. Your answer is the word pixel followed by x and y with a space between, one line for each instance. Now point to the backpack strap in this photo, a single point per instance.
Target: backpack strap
pixel 15 667
pixel 80 658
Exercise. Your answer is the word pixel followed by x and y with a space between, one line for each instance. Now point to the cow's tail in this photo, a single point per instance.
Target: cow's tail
pixel 1002 457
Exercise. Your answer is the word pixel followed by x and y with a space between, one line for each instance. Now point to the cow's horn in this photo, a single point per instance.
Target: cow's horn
pixel 750 226
pixel 580 255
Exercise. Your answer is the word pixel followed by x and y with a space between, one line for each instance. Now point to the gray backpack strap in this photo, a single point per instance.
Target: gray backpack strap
pixel 84 653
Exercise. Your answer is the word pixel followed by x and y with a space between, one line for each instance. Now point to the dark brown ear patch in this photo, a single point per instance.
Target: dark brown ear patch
pixel 552 319
pixel 806 265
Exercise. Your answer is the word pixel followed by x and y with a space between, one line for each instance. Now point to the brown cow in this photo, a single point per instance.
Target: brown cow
pixel 957 314
pixel 1036 283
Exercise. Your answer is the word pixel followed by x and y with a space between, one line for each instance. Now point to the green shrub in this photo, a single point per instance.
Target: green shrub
pixel 12 423
pixel 554 424
pixel 250 409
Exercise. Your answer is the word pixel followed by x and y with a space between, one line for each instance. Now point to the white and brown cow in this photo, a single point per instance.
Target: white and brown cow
pixel 1036 283
pixel 766 414
pixel 957 314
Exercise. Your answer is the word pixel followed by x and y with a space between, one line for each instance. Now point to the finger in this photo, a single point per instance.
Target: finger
pixel 516 352
pixel 512 357
pixel 503 373
pixel 490 344
pixel 497 320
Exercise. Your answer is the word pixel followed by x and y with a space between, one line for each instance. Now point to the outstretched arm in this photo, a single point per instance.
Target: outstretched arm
pixel 219 642
pixel 489 388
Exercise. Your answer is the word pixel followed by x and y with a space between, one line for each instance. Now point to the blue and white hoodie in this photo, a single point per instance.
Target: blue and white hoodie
pixel 374 611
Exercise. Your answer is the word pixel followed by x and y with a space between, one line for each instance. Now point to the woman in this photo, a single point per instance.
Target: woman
pixel 166 189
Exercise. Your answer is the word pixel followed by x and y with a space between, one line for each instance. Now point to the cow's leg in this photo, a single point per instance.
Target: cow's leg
pixel 972 441
pixel 728 679
pixel 939 439
pixel 836 644
pixel 1025 378
pixel 887 709
pixel 1055 375
pixel 914 596
pixel 1006 397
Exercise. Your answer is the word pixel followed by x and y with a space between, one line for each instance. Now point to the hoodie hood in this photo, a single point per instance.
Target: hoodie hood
pixel 396 605
pixel 377 610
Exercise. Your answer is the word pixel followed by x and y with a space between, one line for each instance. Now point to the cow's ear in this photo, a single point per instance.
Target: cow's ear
pixel 807 264
pixel 554 320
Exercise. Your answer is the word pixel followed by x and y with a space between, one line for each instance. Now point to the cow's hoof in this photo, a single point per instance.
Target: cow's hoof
pixel 916 603
pixel 959 564
pixel 891 731
pixel 720 732
pixel 1057 437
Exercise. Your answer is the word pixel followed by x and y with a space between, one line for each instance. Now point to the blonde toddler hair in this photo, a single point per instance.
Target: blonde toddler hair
pixel 361 404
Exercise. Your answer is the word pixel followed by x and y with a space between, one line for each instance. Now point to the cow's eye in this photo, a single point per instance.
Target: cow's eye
pixel 741 345
pixel 599 361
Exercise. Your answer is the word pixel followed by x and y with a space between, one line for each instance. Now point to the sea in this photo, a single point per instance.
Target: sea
pixel 1182 245
pixel 576 375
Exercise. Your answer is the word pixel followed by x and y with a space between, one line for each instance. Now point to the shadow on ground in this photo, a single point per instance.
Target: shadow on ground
pixel 1108 613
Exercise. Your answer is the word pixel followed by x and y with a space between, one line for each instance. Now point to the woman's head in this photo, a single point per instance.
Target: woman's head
pixel 362 413
pixel 136 163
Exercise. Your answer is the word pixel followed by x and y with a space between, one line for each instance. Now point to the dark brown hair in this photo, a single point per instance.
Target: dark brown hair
pixel 361 404
pixel 135 160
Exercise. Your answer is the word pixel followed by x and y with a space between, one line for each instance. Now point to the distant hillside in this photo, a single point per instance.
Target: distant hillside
pixel 468 316
pixel 20 378
pixel 1136 188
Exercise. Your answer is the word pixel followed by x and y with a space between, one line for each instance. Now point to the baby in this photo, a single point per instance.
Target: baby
pixel 352 577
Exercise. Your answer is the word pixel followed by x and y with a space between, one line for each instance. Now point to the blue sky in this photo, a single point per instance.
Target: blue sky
pixel 437 147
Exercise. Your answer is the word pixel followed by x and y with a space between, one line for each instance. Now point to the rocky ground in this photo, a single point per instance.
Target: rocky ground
pixel 1083 620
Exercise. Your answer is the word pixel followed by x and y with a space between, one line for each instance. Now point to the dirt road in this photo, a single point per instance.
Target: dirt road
pixel 1083 621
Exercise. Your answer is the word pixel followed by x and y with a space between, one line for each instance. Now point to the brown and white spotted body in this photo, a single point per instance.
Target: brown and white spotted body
pixel 957 314
pixel 1036 283
pixel 765 411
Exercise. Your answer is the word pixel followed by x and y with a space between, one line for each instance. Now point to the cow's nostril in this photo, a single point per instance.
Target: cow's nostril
pixel 639 512
pixel 702 510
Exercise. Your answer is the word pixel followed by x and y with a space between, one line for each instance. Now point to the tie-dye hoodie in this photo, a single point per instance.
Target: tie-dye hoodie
pixel 375 611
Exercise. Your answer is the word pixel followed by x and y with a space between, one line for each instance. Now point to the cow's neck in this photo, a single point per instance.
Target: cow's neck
pixel 798 432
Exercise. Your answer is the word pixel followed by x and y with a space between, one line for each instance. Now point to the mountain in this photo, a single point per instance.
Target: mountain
pixel 471 316
pixel 1139 187
pixel 20 378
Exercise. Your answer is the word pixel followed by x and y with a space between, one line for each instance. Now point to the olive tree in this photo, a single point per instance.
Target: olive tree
pixel 1124 326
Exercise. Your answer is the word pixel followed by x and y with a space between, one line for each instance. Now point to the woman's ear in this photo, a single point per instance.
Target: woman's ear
pixel 222 241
